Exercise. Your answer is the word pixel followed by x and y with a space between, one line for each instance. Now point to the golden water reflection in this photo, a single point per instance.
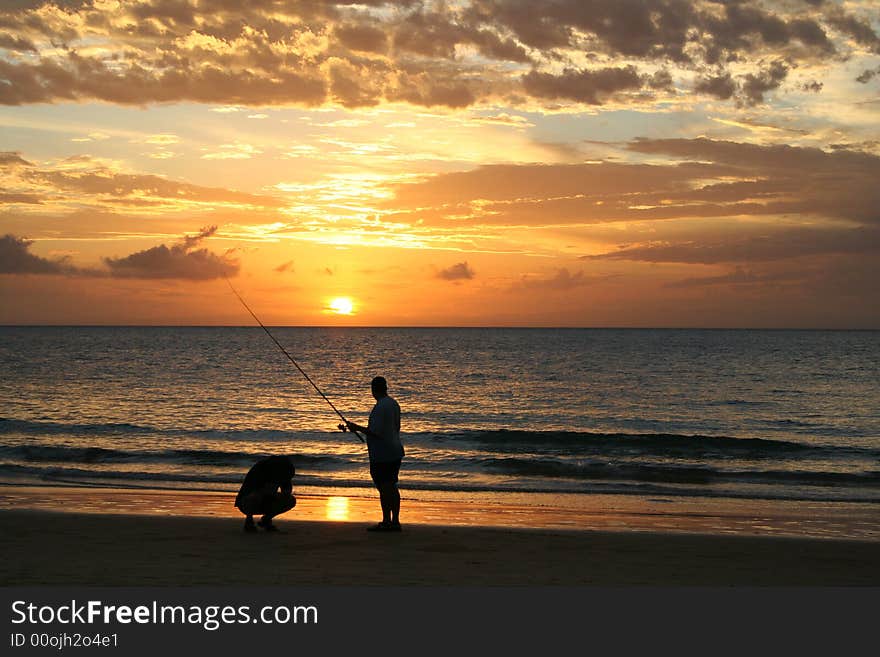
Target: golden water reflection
pixel 337 508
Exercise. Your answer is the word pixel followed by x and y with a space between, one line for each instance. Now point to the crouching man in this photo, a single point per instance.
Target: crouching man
pixel 267 489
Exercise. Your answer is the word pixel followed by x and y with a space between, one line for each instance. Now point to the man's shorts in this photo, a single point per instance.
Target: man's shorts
pixel 385 473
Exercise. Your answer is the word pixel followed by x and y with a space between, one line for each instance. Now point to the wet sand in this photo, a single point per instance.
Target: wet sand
pixel 198 541
pixel 702 515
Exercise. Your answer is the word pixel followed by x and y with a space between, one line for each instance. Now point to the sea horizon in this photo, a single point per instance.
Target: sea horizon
pixel 455 327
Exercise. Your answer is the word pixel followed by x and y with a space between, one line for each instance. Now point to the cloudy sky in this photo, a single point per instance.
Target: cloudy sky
pixel 482 162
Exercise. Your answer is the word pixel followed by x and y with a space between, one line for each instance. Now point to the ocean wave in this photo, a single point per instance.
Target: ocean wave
pixel 57 453
pixel 672 473
pixel 665 444
pixel 27 427
pixel 501 440
pixel 55 476
pixel 9 425
pixel 60 473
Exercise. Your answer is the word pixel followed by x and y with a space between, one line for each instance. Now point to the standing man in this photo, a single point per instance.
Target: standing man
pixel 386 452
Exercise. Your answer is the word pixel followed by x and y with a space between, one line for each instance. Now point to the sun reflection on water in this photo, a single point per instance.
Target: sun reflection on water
pixel 337 508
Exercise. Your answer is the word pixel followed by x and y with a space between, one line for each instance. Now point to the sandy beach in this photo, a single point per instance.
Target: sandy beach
pixel 124 546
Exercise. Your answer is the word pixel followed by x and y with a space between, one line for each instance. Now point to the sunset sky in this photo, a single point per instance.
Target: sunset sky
pixel 483 162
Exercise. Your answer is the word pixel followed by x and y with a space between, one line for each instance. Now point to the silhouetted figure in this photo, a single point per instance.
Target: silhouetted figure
pixel 386 452
pixel 259 493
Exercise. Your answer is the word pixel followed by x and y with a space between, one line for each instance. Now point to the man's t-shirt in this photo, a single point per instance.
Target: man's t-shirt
pixel 385 446
pixel 277 470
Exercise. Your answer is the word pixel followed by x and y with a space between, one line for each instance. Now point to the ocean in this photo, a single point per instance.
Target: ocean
pixel 762 414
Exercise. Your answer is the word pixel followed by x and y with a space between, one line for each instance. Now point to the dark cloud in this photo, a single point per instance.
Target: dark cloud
pixel 181 261
pixel 744 26
pixel 793 243
pixel 850 278
pixel 352 86
pixel 189 242
pixel 810 33
pixel 770 157
pixel 435 34
pixel 592 87
pixel 15 258
pixel 867 75
pixel 739 276
pixel 430 35
pixel 720 86
pixel 540 30
pixel 426 89
pixel 561 280
pixel 493 46
pixel 20 44
pixel 268 52
pixel 661 80
pixel 658 29
pixel 754 86
pixel 82 78
pixel 12 197
pixel 366 38
pixel 12 159
pixel 858 28
pixel 460 271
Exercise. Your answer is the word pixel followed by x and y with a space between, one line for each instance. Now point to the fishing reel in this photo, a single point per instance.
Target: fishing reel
pixel 345 429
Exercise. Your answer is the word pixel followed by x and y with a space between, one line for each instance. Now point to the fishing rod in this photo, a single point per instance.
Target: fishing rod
pixel 342 427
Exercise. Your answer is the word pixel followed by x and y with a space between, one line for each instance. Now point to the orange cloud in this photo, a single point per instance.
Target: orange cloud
pixel 702 178
pixel 85 181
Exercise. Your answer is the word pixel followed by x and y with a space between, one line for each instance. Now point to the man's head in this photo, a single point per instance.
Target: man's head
pixel 379 387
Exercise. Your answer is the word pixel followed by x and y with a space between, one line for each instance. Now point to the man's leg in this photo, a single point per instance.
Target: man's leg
pixel 275 505
pixel 385 479
pixel 386 499
pixel 393 494
pixel 376 473
pixel 249 506
pixel 392 501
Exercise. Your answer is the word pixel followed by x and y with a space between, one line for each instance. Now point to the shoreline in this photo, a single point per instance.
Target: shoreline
pixel 611 513
pixel 76 549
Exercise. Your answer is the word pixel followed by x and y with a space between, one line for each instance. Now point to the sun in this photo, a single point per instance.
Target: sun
pixel 341 306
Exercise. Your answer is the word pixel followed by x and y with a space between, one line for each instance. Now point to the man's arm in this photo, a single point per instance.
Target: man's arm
pixel 353 426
